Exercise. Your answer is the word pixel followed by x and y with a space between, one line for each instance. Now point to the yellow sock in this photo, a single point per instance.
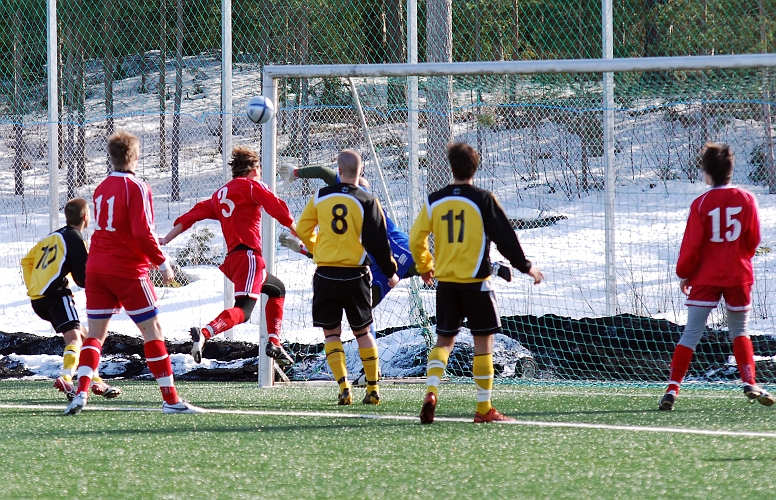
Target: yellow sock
pixel 483 378
pixel 70 361
pixel 371 362
pixel 335 358
pixel 96 379
pixel 437 362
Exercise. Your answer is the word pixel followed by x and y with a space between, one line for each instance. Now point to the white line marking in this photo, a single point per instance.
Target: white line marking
pixel 412 418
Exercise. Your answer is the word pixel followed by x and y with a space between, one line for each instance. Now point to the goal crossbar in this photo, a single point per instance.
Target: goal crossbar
pixel 685 63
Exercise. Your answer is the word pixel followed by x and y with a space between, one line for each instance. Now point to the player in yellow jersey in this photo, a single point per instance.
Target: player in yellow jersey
pixel 350 223
pixel 45 269
pixel 464 220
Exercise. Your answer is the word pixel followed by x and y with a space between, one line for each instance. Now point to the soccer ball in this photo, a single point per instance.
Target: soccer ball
pixel 260 109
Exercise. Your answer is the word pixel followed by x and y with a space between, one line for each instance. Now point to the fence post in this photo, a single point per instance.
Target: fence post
pixel 53 114
pixel 610 171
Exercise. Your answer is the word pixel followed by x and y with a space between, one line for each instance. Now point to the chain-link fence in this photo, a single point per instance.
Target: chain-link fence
pixel 154 67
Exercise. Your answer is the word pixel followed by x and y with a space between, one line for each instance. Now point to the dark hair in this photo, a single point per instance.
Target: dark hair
pixel 244 160
pixel 464 160
pixel 75 211
pixel 123 148
pixel 717 161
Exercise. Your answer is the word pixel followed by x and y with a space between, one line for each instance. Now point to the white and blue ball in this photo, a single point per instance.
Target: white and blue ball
pixel 260 109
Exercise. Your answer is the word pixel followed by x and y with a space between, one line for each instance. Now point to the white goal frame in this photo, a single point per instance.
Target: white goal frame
pixel 606 66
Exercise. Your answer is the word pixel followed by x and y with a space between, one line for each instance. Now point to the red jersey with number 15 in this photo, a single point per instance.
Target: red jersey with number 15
pixel 723 231
pixel 123 243
pixel 237 206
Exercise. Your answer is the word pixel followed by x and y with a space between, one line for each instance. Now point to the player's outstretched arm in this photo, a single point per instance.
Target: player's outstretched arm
pixel 290 173
pixel 174 232
pixel 293 244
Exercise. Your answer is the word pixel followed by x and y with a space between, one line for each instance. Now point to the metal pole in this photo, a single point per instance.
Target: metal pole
pixel 226 121
pixel 413 149
pixel 610 170
pixel 268 172
pixel 53 112
pixel 372 152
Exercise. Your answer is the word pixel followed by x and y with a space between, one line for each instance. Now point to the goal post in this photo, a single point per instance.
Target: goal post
pixel 542 158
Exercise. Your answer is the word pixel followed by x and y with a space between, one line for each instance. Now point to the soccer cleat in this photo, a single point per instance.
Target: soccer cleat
pixel 361 379
pixel 667 401
pixel 276 352
pixel 63 385
pixel 372 398
pixel 428 409
pixel 197 343
pixel 345 398
pixel 180 408
pixel 77 404
pixel 757 393
pixel 501 270
pixel 105 390
pixel 492 416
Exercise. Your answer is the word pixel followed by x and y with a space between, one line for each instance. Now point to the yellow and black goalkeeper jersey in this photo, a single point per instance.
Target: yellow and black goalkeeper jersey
pixel 350 222
pixel 46 266
pixel 464 220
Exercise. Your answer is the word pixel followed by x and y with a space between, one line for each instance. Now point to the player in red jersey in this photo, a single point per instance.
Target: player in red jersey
pixel 715 260
pixel 237 206
pixel 123 249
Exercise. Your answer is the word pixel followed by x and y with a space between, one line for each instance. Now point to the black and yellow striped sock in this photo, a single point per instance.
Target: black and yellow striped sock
pixel 435 369
pixel 483 378
pixel 371 362
pixel 335 358
pixel 70 360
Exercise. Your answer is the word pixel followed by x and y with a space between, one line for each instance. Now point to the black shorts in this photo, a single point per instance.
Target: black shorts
pixel 338 288
pixel 59 311
pixel 454 303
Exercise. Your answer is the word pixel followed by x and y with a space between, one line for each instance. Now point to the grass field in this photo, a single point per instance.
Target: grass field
pixel 570 442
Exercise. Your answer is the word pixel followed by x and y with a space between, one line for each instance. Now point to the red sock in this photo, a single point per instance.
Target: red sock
pixel 88 362
pixel 158 361
pixel 679 366
pixel 742 350
pixel 226 320
pixel 274 314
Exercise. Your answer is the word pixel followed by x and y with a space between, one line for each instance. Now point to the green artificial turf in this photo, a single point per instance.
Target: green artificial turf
pixel 148 455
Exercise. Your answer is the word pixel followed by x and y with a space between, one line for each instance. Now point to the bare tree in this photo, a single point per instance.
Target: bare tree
pixel 108 67
pixel 767 124
pixel 162 87
pixel 175 193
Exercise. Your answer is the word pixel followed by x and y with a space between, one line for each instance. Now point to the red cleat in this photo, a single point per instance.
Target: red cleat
pixel 105 390
pixel 428 409
pixel 66 386
pixel 492 416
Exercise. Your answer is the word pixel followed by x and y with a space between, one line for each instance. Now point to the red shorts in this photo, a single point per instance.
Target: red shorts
pixel 737 298
pixel 246 269
pixel 107 294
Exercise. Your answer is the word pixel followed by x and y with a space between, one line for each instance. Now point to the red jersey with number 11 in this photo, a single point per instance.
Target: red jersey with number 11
pixel 123 243
pixel 237 206
pixel 723 231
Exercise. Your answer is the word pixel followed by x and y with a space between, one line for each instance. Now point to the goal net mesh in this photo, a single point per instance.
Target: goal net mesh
pixel 541 141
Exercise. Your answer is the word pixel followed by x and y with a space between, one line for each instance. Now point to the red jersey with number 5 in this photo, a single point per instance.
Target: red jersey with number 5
pixel 237 206
pixel 722 234
pixel 123 243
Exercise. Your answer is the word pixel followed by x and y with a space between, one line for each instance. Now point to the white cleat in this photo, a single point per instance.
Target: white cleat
pixel 197 343
pixel 77 404
pixel 181 407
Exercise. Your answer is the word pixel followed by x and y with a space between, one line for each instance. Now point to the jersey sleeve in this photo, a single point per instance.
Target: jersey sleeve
pixel 374 236
pixel 201 211
pixel 753 233
pixel 28 262
pixel 328 175
pixel 275 207
pixel 500 231
pixel 305 225
pixel 689 252
pixel 76 258
pixel 424 261
pixel 141 219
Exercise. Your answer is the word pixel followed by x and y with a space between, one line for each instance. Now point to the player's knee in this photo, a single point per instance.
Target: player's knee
pixel 246 304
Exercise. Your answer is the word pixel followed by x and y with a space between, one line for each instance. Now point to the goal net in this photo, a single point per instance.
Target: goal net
pixel 596 175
